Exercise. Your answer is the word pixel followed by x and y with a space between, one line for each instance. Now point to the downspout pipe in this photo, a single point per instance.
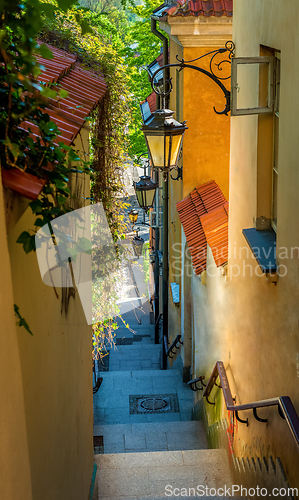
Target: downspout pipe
pixel 165 57
pixel 165 271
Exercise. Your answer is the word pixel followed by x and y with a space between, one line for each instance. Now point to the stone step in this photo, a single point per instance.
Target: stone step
pixel 155 475
pixel 142 437
pixel 139 356
pixel 171 497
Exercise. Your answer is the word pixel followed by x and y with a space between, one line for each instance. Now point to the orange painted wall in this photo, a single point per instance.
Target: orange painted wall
pixel 206 142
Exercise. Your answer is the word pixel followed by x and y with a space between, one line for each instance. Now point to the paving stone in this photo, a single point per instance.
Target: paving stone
pixel 114 447
pixel 156 441
pixel 146 364
pixel 129 365
pixel 135 441
pixel 129 481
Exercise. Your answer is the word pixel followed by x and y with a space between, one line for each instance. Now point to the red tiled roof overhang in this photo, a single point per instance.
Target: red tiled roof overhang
pixel 151 99
pixel 204 217
pixel 207 8
pixel 85 89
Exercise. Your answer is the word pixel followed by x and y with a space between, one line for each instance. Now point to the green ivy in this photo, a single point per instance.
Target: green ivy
pixel 22 99
pixel 21 321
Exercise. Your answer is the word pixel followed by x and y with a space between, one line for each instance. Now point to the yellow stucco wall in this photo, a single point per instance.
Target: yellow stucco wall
pixel 265 325
pixel 206 142
pixel 245 321
pixel 55 367
pixel 205 157
pixel 14 457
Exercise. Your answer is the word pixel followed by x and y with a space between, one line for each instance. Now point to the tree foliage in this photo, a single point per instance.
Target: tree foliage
pixel 142 48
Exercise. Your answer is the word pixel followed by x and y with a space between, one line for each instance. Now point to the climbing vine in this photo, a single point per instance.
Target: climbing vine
pixel 23 100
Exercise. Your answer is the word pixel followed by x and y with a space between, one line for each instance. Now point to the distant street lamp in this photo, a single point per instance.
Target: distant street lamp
pixel 145 192
pixel 137 243
pixel 133 215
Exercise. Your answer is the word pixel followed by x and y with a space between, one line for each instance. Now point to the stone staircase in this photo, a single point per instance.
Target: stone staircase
pixel 142 416
pixel 154 455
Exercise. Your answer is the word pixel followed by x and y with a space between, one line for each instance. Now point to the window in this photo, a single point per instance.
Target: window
pixel 252 85
pixel 275 140
pixel 256 90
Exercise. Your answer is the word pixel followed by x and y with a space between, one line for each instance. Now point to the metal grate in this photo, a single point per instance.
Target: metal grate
pixel 154 403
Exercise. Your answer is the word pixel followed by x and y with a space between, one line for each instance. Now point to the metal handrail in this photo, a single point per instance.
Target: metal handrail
pixel 158 319
pixel 174 345
pixel 193 383
pixel 285 406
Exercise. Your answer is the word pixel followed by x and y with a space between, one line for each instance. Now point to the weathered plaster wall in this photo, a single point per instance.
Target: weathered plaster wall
pixel 56 371
pixel 264 331
pixel 205 156
pixel 14 456
pixel 206 142
pixel 250 324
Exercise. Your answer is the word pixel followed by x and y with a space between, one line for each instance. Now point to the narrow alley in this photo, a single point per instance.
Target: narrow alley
pixel 146 444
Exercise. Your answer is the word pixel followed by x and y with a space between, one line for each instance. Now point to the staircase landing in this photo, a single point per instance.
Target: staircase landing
pixel 155 475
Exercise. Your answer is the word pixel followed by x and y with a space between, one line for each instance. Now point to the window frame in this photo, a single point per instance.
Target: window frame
pixel 236 61
pixel 276 93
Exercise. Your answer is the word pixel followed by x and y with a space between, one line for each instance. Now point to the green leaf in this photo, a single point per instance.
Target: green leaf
pixel 59 184
pixel 22 321
pixel 23 237
pixel 36 206
pixel 44 51
pixel 47 92
pixel 85 27
pixel 14 148
pixel 29 245
pixel 39 222
pixel 63 93
pixel 48 9
pixel 66 4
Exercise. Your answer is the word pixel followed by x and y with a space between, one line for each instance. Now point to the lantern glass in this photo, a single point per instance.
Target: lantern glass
pixel 145 191
pixel 139 195
pixel 164 136
pixel 164 149
pixel 149 197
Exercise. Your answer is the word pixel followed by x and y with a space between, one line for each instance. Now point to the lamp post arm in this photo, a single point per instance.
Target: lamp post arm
pixel 144 166
pixel 183 65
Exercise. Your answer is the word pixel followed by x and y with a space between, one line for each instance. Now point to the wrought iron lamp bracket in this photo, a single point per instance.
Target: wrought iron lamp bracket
pixel 214 67
pixel 179 174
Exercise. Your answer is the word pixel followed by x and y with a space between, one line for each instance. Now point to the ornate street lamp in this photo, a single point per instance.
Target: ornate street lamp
pixel 145 192
pixel 164 136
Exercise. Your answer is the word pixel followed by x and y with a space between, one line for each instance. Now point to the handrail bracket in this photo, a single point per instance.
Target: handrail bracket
pixel 240 419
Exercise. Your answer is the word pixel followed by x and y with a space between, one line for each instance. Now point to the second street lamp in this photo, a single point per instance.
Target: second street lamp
pixel 145 192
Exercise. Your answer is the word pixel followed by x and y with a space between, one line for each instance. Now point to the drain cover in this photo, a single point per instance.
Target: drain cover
pixel 154 403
